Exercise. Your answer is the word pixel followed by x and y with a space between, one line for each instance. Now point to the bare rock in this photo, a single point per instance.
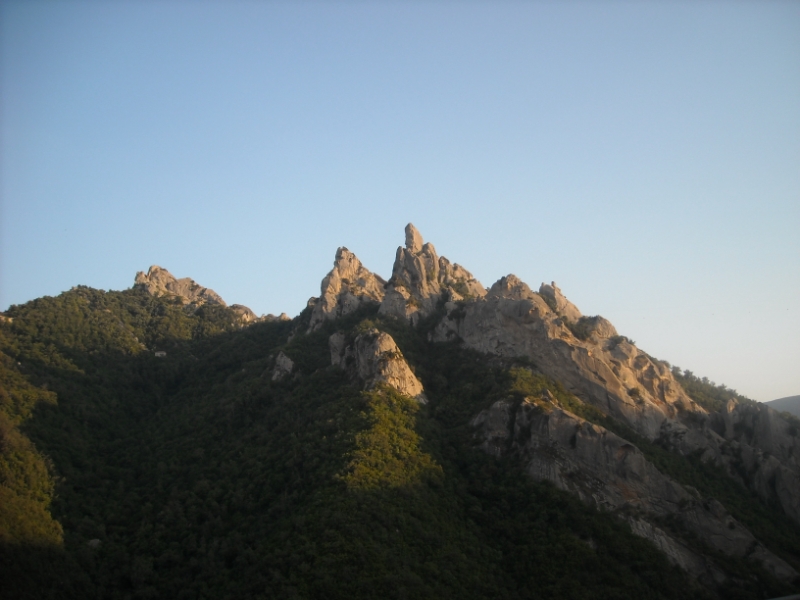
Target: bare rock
pixel 160 282
pixel 374 358
pixel 347 287
pixel 421 280
pixel 677 552
pixel 413 239
pixel 270 318
pixel 283 367
pixel 559 302
pixel 603 369
pixel 611 473
pixel 757 445
pixel 512 288
pixel 246 316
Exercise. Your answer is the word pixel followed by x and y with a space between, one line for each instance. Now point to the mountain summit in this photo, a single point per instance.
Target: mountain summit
pixel 160 282
pixel 417 436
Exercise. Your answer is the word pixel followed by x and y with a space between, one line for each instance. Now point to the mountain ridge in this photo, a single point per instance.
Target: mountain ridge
pixel 427 404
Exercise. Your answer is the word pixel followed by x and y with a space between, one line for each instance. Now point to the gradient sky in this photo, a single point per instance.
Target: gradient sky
pixel 645 156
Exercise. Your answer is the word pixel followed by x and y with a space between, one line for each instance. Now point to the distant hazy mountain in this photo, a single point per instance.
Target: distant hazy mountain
pixel 790 404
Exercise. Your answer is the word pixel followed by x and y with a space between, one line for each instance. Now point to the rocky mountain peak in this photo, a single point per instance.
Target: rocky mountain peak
pixel 345 288
pixel 421 279
pixel 160 282
pixel 512 287
pixel 558 302
pixel 413 239
pixel 583 353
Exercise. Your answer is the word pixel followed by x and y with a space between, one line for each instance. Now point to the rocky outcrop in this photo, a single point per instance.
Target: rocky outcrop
pixel 270 318
pixel 347 287
pixel 584 353
pixel 756 444
pixel 374 358
pixel 611 473
pixel 160 282
pixel 245 315
pixel 283 367
pixel 421 280
pixel 558 302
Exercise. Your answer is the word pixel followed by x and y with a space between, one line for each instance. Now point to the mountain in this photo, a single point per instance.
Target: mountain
pixel 790 404
pixel 417 436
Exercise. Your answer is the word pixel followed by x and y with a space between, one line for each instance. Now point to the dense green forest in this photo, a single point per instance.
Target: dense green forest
pixel 195 475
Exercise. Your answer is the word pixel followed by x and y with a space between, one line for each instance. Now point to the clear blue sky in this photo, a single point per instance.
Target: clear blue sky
pixel 644 155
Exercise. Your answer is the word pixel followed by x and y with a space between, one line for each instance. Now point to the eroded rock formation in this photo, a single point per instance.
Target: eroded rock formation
pixel 160 282
pixel 421 280
pixel 584 353
pixel 609 472
pixel 374 358
pixel 283 367
pixel 347 287
pixel 755 444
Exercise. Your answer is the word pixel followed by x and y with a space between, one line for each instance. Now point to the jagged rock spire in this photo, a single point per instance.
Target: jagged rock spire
pixel 348 285
pixel 413 239
pixel 420 279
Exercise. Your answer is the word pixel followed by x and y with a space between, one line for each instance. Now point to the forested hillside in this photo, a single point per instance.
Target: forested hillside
pixel 199 474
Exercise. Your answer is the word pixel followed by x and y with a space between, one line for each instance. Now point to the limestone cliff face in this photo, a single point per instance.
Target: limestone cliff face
pixel 347 287
pixel 421 279
pixel 599 367
pixel 611 473
pixel 374 358
pixel 160 282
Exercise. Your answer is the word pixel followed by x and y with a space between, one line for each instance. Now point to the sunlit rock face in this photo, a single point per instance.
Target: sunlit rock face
pixel 584 353
pixel 421 281
pixel 160 282
pixel 593 362
pixel 373 358
pixel 611 473
pixel 347 287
